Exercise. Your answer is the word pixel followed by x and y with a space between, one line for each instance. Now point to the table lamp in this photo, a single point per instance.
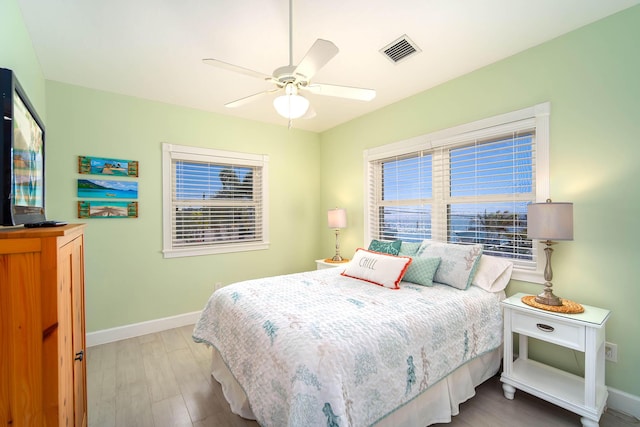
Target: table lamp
pixel 547 222
pixel 337 219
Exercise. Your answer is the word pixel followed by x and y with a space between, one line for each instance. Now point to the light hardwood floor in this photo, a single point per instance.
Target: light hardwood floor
pixel 163 379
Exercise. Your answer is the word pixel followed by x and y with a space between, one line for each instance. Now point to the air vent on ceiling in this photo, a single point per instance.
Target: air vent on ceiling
pixel 400 49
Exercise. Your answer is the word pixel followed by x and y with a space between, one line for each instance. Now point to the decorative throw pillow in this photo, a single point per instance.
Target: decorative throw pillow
pixel 409 248
pixel 392 248
pixel 378 268
pixel 493 273
pixel 421 271
pixel 458 264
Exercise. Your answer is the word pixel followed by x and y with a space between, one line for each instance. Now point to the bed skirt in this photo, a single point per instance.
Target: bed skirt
pixel 437 404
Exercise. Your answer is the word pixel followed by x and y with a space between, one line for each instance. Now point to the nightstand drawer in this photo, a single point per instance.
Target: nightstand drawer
pixel 564 334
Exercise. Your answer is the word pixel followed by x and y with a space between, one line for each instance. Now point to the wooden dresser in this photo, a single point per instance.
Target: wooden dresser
pixel 42 327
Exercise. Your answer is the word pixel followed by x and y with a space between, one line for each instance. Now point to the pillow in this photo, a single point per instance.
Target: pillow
pixel 458 264
pixel 409 248
pixel 421 271
pixel 378 268
pixel 392 248
pixel 493 273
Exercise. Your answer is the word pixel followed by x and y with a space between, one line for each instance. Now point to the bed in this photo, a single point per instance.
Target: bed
pixel 320 348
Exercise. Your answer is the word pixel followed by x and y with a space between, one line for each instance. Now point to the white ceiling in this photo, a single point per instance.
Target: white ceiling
pixel 153 49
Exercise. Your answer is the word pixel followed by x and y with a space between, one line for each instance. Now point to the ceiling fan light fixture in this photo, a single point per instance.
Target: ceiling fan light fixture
pixel 291 78
pixel 291 106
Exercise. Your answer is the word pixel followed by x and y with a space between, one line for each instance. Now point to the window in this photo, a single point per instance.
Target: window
pixel 468 184
pixel 213 201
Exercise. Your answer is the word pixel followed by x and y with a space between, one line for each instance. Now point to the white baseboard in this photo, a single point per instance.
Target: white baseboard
pixel 143 328
pixel 624 402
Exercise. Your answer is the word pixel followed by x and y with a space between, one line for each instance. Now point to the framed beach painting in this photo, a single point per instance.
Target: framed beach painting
pixel 107 189
pixel 107 209
pixel 105 166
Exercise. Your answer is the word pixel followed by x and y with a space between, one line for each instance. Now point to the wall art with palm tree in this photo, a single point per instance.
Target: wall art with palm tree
pixel 107 209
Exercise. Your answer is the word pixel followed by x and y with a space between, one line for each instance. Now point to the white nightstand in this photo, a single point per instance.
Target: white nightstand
pixel 583 332
pixel 321 264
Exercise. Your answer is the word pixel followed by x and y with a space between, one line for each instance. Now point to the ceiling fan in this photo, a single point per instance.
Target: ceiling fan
pixel 291 79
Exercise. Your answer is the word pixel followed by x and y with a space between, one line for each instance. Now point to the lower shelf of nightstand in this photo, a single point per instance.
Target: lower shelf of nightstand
pixel 553 385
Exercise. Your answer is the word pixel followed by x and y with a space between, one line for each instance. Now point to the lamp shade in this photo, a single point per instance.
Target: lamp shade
pixel 550 221
pixel 337 218
pixel 291 105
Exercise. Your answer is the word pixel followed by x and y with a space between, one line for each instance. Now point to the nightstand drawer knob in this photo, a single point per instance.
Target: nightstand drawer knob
pixel 544 328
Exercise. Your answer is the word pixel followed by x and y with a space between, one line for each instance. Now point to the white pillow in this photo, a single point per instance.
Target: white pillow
pixel 458 262
pixel 493 273
pixel 378 268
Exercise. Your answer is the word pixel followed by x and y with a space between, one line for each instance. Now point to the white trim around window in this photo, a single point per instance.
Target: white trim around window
pixel 213 201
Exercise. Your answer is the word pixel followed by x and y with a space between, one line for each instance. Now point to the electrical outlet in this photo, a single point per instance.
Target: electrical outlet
pixel 611 352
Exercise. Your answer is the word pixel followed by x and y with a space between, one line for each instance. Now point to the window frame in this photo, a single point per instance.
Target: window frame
pixel 536 117
pixel 171 152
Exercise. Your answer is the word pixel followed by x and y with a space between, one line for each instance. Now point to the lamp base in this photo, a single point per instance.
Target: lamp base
pixel 548 298
pixel 337 258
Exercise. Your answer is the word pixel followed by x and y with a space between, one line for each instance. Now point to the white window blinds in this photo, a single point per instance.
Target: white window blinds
pixel 402 197
pixel 490 184
pixel 215 201
pixel 462 187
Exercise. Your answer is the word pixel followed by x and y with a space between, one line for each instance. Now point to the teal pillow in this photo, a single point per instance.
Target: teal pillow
pixel 421 271
pixel 409 248
pixel 391 248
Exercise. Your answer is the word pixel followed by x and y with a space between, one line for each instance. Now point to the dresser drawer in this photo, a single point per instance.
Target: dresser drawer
pixel 550 330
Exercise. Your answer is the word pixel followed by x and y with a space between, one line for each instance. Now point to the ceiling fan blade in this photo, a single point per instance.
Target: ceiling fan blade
pixel 247 99
pixel 235 68
pixel 310 114
pixel 349 92
pixel 320 53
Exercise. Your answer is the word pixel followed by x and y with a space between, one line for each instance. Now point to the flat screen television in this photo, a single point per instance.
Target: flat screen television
pixel 21 156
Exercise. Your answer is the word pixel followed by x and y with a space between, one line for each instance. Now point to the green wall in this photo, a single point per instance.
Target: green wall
pixel 17 54
pixel 591 77
pixel 127 278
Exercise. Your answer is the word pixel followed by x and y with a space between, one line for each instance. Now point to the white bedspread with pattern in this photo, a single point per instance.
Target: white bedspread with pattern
pixel 317 348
